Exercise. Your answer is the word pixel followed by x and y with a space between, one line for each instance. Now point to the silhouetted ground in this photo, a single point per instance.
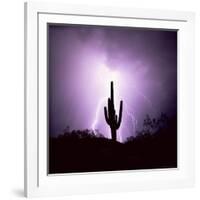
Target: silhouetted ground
pixel 82 151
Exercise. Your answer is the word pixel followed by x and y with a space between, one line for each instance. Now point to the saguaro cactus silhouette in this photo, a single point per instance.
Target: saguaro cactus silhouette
pixel 111 118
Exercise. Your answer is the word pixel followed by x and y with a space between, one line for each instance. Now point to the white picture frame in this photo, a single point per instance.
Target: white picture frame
pixel 37 180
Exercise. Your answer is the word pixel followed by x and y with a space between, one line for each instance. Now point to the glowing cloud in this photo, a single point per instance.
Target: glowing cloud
pixel 83 60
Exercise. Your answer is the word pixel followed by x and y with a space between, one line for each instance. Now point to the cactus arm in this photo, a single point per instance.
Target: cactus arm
pixel 106 115
pixel 116 119
pixel 120 114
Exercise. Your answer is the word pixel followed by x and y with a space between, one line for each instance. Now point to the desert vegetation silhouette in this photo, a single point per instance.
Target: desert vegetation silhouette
pixel 153 146
pixel 111 118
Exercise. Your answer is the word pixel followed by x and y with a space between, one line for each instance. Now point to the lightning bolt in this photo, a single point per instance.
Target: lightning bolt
pixel 95 121
pixel 131 116
pixel 144 97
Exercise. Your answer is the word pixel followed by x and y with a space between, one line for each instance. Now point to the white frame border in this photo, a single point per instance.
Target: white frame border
pixel 37 183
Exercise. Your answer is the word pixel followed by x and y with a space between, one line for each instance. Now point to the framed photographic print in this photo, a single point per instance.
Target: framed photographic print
pixel 108 99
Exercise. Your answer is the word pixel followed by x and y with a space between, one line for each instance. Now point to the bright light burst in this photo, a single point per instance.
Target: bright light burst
pixel 104 76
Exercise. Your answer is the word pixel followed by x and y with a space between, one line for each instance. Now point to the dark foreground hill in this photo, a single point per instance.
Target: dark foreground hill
pixel 83 152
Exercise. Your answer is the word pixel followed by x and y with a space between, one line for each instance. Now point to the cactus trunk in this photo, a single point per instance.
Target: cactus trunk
pixel 114 134
pixel 110 115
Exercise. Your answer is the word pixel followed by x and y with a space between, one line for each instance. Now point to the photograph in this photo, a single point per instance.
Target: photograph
pixel 111 98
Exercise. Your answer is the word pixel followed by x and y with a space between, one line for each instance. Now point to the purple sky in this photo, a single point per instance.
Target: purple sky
pixel 84 59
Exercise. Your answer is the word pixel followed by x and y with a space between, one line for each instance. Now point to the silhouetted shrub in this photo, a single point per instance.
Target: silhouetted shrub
pixel 155 146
